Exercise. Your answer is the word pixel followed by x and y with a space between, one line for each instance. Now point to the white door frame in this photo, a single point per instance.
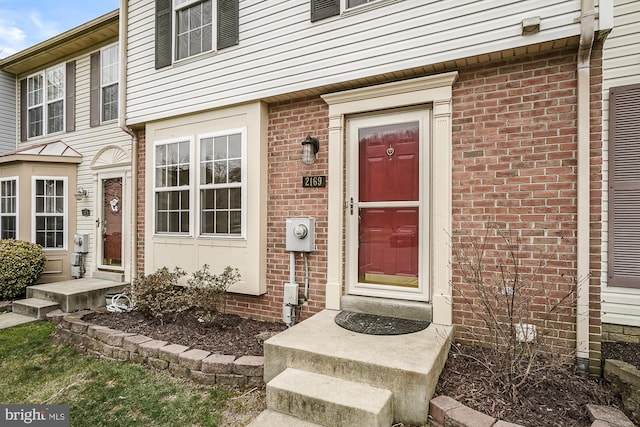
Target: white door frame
pixel 435 92
pixel 101 176
pixel 353 286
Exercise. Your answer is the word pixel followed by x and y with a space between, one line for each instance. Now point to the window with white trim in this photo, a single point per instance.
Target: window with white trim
pixel 354 3
pixel 8 208
pixel 109 78
pixel 45 101
pixel 221 184
pixel 172 166
pixel 193 27
pixel 49 212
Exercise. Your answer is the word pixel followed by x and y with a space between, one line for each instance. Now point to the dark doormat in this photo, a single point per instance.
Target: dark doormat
pixel 371 324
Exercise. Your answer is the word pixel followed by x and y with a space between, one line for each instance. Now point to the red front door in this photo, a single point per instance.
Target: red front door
pixel 388 204
pixel 112 222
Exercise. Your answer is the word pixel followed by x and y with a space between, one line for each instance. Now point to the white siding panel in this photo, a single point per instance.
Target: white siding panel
pixel 7 112
pixel 621 66
pixel 281 51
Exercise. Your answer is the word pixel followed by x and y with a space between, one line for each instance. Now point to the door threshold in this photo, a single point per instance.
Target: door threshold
pixel 403 309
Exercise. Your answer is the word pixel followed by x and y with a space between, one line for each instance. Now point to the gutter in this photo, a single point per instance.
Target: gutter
pixel 122 99
pixel 587 35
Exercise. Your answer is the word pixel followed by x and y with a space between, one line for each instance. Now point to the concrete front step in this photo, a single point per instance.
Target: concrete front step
pixel 9 320
pixel 329 401
pixel 74 295
pixel 34 307
pixel 407 365
pixel 270 418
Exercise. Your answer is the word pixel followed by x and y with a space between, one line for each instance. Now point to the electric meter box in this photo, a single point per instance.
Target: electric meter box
pixel 81 243
pixel 301 234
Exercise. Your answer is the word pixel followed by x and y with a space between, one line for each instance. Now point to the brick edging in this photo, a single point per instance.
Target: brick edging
pixel 445 411
pixel 200 366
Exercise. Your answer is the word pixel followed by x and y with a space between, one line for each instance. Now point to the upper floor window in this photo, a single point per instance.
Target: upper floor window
pixel 45 102
pixel 8 208
pixel 194 28
pixel 354 3
pixel 49 212
pixel 185 28
pixel 109 71
pixel 172 187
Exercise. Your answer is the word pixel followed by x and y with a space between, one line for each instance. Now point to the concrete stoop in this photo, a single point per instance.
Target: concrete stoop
pixel 318 367
pixel 78 294
pixel 69 296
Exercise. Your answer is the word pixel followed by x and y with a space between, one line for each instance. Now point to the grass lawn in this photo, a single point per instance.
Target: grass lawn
pixel 99 393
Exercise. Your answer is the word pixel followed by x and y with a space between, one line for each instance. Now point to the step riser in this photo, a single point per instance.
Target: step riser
pixel 69 303
pixel 329 401
pixel 407 365
pixel 32 311
pixel 412 310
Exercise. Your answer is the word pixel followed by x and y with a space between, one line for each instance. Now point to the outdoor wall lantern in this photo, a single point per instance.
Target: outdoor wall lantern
pixel 310 147
pixel 81 193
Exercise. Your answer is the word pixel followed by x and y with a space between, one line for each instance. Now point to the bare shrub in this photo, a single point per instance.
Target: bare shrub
pixel 523 320
pixel 158 295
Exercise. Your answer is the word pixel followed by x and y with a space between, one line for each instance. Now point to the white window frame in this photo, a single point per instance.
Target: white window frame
pixel 106 82
pixel 63 214
pixel 16 213
pixel 159 189
pixel 242 185
pixel 179 5
pixel 45 100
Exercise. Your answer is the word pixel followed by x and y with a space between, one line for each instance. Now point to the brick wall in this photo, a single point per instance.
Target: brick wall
pixel 514 174
pixel 140 189
pixel 289 124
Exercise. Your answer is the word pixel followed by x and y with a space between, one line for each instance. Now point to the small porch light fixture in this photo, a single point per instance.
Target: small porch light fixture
pixel 81 193
pixel 530 25
pixel 310 147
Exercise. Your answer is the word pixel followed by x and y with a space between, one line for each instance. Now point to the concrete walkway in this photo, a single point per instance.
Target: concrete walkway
pixel 9 320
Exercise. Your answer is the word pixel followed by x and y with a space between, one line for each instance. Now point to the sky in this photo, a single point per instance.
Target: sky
pixel 24 23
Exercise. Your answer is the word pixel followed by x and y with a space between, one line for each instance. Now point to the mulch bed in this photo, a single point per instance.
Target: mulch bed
pixel 229 334
pixel 553 397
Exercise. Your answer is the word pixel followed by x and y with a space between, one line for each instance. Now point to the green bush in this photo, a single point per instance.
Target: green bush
pixel 207 293
pixel 158 295
pixel 21 264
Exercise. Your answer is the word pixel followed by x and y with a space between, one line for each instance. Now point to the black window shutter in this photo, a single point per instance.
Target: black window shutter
pixel 94 90
pixel 163 33
pixel 24 122
pixel 71 97
pixel 228 23
pixel 624 186
pixel 321 9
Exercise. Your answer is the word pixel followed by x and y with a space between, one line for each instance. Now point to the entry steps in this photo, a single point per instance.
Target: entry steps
pixel 319 373
pixel 68 295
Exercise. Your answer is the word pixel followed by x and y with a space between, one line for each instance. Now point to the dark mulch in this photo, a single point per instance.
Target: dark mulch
pixel 229 334
pixel 555 396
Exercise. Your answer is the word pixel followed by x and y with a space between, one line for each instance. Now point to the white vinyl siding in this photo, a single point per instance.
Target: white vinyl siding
pixel 8 123
pixel 281 51
pixel 621 67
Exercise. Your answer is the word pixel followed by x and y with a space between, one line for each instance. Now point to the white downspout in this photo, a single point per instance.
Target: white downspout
pixel 122 38
pixel 587 34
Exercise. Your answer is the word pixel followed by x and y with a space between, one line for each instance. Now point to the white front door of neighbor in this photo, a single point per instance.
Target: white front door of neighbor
pixel 388 213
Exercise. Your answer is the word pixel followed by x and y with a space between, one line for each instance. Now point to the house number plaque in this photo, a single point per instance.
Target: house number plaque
pixel 314 181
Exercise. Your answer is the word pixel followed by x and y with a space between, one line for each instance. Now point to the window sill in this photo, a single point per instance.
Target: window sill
pixel 364 8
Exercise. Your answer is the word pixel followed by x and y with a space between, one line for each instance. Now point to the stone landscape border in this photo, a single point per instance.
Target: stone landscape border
pixel 200 366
